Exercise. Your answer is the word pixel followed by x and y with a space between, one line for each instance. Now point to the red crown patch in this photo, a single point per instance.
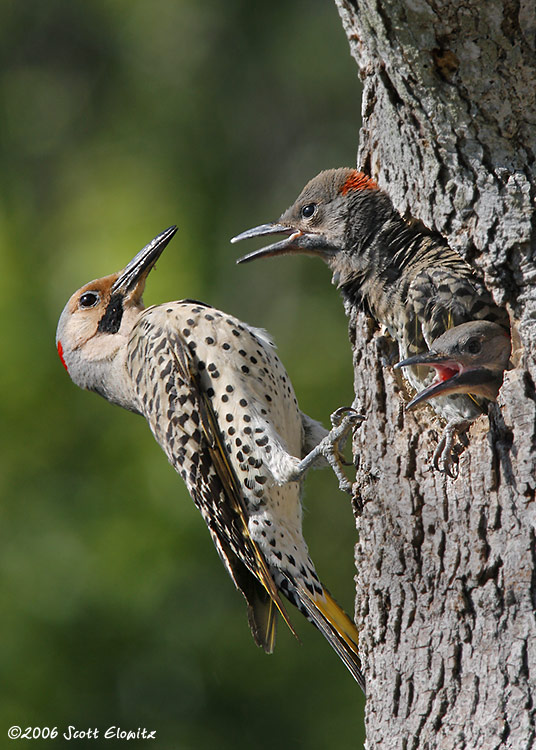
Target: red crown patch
pixel 358 181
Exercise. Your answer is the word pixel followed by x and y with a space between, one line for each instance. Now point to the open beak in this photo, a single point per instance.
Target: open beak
pixel 452 378
pixel 134 275
pixel 304 243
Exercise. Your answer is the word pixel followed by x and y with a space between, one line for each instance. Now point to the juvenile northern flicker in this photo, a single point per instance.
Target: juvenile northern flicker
pixel 222 407
pixel 470 358
pixel 408 279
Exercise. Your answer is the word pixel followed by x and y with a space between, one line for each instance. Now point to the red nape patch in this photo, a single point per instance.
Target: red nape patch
pixel 60 352
pixel 358 181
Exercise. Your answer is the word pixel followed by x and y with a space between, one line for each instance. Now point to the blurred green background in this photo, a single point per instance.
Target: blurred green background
pixel 119 118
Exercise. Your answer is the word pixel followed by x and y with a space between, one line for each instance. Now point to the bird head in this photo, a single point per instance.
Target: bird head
pixel 98 318
pixel 327 219
pixel 469 358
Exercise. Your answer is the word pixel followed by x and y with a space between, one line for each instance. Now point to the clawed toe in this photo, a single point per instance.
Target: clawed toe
pixel 444 459
pixel 331 447
pixel 346 414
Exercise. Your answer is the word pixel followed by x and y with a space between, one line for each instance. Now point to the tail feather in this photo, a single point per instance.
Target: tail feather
pixel 262 618
pixel 335 626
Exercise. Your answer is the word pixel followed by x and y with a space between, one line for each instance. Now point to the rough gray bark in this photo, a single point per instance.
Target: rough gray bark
pixel 446 585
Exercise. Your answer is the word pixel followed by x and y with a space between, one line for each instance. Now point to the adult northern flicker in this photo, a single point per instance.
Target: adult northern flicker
pixel 406 278
pixel 222 407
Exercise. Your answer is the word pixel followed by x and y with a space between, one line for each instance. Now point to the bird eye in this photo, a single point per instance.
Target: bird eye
pixel 473 346
pixel 88 299
pixel 308 210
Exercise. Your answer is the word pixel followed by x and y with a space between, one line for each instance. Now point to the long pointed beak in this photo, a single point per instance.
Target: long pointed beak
pixel 304 243
pixel 429 358
pixel 135 273
pixel 479 382
pixel 452 378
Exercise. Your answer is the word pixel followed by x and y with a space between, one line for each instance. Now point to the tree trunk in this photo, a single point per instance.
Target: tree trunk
pixel 446 585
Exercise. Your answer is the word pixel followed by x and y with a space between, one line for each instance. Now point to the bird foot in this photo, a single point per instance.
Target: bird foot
pixel 331 448
pixel 444 460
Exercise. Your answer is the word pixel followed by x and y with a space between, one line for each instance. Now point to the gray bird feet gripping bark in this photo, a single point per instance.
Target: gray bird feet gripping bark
pixel 443 458
pixel 330 448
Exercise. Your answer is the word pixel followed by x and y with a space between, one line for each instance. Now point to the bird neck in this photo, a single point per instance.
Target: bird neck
pixel 100 363
pixel 111 380
pixel 381 253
